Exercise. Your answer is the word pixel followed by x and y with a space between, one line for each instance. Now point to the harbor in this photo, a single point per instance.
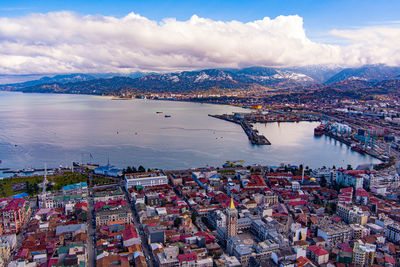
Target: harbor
pixel 358 139
pixel 254 137
pixel 245 120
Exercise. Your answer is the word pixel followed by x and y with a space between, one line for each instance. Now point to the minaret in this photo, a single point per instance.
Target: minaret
pixel 231 220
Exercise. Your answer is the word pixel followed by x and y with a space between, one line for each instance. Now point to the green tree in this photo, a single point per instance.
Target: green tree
pixel 177 221
pixel 323 181
pixel 141 169
pixel 349 167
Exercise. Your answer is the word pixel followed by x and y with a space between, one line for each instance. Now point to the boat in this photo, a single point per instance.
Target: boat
pixel 320 130
pixel 167 116
pixel 159 112
pixel 358 149
pixel 28 170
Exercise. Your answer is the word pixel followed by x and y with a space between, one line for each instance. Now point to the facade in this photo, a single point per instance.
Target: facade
pixel 334 234
pixel 271 198
pixel 169 257
pixel 260 229
pixel 113 215
pixel 317 254
pixel 351 178
pixel 14 213
pixel 363 254
pixel 216 218
pixel 328 174
pixel 298 232
pixel 393 232
pixel 5 250
pixel 359 231
pixel 145 179
pixel 50 200
pixel 231 220
pixel 113 193
pixel 237 248
pixel 352 214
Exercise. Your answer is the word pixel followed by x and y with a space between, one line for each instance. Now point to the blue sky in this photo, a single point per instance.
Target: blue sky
pixel 320 16
pixel 163 35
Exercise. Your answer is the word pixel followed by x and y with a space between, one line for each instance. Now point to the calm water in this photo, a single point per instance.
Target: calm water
pixel 59 129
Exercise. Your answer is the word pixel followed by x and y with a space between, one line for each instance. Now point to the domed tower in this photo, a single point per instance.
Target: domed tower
pixel 231 220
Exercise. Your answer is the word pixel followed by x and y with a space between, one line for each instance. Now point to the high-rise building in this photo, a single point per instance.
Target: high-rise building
pixel 231 220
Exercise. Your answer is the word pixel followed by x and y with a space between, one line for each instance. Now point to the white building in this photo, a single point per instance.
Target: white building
pixel 216 218
pixel 393 232
pixel 145 179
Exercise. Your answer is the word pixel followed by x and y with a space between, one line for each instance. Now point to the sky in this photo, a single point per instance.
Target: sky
pixel 163 35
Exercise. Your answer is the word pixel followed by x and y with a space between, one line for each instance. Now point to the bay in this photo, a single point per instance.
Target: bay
pixel 57 129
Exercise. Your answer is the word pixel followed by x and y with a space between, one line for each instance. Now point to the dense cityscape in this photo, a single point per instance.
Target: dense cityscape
pixel 164 133
pixel 230 215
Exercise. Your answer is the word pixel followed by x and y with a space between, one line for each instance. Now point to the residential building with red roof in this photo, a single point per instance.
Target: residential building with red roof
pixel 318 254
pixel 14 213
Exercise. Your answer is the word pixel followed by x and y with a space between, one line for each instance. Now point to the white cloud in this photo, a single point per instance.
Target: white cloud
pixel 69 42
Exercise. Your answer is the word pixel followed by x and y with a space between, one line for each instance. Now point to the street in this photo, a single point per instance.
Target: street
pixel 91 232
pixel 146 247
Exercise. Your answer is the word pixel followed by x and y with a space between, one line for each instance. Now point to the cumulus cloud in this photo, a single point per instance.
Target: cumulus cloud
pixel 70 42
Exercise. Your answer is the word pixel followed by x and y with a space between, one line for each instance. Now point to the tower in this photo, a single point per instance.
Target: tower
pixel 231 220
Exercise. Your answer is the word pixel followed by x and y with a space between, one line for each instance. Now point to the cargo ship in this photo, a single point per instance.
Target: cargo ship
pixel 320 130
pixel 358 148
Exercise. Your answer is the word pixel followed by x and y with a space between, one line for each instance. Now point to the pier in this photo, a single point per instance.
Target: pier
pixel 254 137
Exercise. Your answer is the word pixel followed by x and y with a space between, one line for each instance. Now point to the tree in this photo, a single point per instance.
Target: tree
pixel 323 181
pixel 349 167
pixel 194 216
pixel 177 221
pixel 128 169
pixel 141 169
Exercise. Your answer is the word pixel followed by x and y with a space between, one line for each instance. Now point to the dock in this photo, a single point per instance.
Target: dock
pixel 254 137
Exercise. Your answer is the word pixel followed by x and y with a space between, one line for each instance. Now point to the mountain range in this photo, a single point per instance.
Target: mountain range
pixel 313 77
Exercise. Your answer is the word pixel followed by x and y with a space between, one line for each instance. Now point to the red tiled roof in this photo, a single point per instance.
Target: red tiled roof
pixel 14 204
pixel 346 190
pixel 317 250
pixel 389 259
pixel 361 192
pixel 336 218
pixel 187 257
pixel 130 232
pixel 296 203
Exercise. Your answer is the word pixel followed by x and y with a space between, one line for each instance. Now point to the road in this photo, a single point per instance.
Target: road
pixel 91 233
pixel 20 237
pixel 139 227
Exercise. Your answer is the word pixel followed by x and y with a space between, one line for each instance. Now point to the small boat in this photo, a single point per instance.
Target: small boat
pixel 159 112
pixel 320 130
pixel 167 116
pixel 28 170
